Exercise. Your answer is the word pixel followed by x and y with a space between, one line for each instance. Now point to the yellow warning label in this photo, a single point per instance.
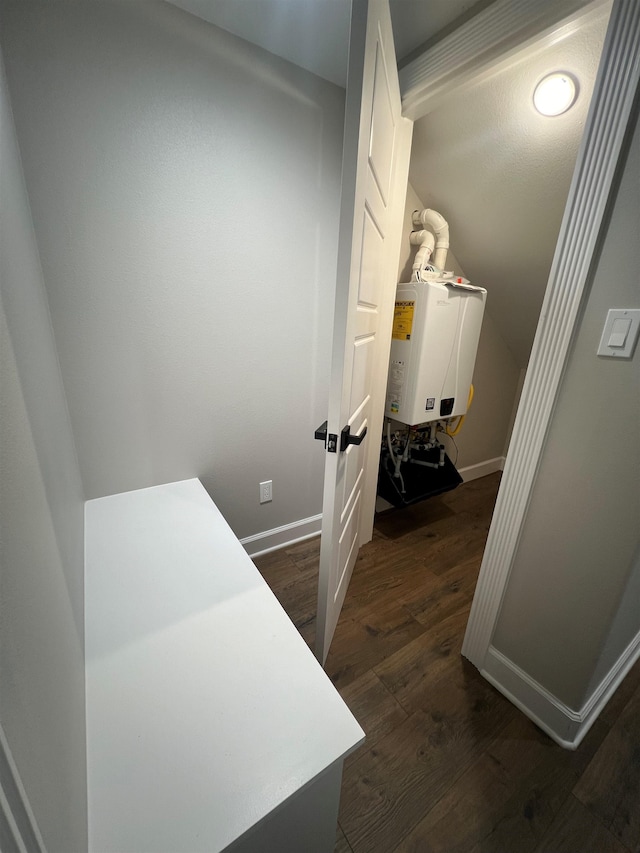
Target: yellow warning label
pixel 403 321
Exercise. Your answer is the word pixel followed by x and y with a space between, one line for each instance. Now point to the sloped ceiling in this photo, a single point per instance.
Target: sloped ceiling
pixel 496 170
pixel 500 173
pixel 314 34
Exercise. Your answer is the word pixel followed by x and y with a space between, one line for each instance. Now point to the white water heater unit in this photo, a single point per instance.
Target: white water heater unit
pixel 436 329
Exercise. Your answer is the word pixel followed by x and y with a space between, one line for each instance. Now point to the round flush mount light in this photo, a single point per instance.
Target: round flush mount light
pixel 555 93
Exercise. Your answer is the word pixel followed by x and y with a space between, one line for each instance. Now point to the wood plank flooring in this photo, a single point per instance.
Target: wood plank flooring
pixel 449 765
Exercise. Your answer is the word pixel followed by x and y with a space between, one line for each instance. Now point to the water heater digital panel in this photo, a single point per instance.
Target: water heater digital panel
pixel 436 330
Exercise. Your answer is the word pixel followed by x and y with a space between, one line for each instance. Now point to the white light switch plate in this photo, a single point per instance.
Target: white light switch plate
pixel 616 341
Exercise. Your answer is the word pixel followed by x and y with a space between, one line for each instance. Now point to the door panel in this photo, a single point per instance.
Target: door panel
pixel 381 142
pixel 373 191
pixel 363 353
pixel 372 249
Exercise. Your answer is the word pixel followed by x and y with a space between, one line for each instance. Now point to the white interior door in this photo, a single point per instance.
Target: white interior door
pixel 375 166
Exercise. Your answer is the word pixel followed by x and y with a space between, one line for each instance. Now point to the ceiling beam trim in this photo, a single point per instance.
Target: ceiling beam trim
pixel 485 44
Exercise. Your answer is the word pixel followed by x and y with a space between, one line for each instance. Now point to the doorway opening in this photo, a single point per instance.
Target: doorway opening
pixel 500 173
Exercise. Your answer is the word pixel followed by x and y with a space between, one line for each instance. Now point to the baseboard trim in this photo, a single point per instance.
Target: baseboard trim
pixel 564 725
pixel 610 683
pixel 18 828
pixel 306 528
pixel 482 469
pixel 555 718
pixel 282 537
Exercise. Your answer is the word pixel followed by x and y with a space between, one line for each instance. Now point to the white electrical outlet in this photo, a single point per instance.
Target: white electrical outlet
pixel 266 491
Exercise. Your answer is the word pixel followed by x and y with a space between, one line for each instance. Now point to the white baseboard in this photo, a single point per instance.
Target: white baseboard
pixel 282 537
pixel 564 725
pixel 610 683
pixel 550 714
pixel 307 528
pixel 17 821
pixel 482 469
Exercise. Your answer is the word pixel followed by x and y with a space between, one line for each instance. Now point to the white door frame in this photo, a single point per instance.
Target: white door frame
pixel 476 50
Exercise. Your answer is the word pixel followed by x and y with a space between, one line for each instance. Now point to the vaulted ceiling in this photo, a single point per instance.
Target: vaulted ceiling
pixel 497 170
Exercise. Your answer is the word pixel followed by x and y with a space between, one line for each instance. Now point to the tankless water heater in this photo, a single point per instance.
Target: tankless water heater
pixel 436 329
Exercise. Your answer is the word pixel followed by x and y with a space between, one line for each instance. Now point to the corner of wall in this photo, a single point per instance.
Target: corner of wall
pixel 566 726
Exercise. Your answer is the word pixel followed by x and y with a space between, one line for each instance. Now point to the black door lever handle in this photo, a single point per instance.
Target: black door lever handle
pixel 346 438
pixel 321 432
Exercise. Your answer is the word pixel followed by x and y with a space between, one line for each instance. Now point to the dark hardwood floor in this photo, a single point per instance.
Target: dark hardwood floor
pixel 448 764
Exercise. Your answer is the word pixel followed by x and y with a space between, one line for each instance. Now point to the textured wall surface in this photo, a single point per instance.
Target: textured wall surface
pixel 41 531
pixel 184 187
pixel 565 618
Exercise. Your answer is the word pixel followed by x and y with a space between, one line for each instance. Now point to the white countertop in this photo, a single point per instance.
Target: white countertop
pixel 205 708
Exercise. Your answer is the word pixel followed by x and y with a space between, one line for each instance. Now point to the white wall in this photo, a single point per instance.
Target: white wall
pixel 624 628
pixel 41 530
pixel 571 603
pixel 185 188
pixel 495 378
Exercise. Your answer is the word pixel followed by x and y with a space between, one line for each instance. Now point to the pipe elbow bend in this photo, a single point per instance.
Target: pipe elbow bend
pixel 435 222
pixel 438 225
pixel 426 241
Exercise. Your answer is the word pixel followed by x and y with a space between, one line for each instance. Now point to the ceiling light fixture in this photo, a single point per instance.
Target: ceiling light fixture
pixel 555 93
